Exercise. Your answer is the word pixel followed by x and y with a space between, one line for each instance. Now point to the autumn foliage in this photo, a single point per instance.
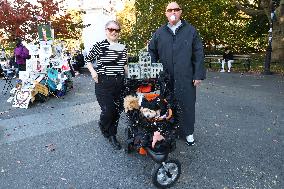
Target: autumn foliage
pixel 20 18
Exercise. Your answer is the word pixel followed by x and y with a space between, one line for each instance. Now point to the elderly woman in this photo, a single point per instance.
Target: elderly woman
pixel 111 58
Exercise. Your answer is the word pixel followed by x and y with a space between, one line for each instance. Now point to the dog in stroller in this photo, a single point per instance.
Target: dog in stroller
pixel 151 130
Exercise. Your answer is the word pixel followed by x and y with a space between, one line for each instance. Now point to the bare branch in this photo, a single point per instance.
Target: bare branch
pixel 248 11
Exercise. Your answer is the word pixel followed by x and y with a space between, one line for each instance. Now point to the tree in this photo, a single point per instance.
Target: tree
pixel 264 8
pixel 219 23
pixel 68 26
pixel 20 19
pixel 15 18
pixel 127 18
pixel 149 16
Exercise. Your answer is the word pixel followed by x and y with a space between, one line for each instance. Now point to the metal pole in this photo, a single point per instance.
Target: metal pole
pixel 269 47
pixel 268 53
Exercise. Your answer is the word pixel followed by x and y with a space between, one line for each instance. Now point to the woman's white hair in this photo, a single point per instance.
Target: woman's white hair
pixel 112 21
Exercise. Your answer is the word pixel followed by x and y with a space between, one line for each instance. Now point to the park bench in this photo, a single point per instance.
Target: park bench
pixel 238 59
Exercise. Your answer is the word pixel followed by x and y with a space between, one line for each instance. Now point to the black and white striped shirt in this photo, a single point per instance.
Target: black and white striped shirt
pixel 109 62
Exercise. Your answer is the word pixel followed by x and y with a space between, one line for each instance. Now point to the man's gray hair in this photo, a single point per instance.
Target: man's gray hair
pixel 112 21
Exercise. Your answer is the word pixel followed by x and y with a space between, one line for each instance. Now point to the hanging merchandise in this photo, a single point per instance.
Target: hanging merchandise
pixel 47 73
pixel 45 34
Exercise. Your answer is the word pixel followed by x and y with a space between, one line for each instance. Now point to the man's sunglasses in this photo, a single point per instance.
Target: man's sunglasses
pixel 112 29
pixel 175 10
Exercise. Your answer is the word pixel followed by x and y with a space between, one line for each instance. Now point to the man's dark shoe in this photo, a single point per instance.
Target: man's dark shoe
pixel 115 144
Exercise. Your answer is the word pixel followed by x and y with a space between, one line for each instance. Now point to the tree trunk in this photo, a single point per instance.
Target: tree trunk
pixel 278 26
pixel 278 35
pixel 278 42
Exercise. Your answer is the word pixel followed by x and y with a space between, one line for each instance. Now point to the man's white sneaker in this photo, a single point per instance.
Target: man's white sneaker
pixel 229 71
pixel 222 70
pixel 190 143
pixel 189 140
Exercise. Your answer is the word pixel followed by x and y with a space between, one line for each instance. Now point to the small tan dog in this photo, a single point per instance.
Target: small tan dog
pixel 131 103
pixel 136 103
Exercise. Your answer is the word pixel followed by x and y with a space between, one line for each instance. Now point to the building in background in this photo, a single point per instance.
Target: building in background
pixel 98 12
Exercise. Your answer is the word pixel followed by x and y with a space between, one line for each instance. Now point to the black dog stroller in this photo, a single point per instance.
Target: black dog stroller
pixel 140 131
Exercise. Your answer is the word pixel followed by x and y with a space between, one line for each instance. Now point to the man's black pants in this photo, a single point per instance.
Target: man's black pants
pixel 109 91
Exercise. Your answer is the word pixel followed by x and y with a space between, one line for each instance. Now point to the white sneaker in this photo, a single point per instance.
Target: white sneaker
pixel 190 140
pixel 222 70
pixel 229 71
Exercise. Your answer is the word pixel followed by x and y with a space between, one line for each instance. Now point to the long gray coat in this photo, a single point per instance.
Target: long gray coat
pixel 182 56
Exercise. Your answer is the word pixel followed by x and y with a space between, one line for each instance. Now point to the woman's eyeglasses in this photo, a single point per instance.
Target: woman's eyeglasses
pixel 112 29
pixel 175 10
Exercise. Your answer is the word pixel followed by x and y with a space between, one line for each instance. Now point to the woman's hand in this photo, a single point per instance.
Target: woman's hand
pixel 93 72
pixel 95 76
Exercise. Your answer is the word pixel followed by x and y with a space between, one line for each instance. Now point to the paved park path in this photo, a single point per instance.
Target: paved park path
pixel 57 144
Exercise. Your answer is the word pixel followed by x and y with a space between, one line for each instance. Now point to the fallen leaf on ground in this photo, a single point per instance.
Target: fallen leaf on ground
pixel 50 147
pixel 217 125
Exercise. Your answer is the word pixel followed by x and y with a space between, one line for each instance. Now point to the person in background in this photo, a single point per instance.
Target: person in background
pixel 3 55
pixel 1 71
pixel 78 61
pixel 68 58
pixel 4 63
pixel 111 57
pixel 68 55
pixel 179 48
pixel 12 62
pixel 227 58
pixel 84 52
pixel 21 54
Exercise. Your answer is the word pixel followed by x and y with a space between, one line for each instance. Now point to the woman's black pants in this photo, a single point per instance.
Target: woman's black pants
pixel 22 67
pixel 109 91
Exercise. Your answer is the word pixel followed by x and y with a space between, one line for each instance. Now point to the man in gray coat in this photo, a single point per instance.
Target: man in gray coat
pixel 178 46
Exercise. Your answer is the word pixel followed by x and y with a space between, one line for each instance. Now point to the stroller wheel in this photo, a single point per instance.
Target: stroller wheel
pixel 128 149
pixel 166 174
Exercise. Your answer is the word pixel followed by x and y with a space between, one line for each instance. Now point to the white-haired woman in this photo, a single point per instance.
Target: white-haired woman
pixel 111 58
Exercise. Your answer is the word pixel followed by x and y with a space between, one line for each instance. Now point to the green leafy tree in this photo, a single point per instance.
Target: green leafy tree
pixel 262 8
pixel 68 26
pixel 127 18
pixel 219 22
